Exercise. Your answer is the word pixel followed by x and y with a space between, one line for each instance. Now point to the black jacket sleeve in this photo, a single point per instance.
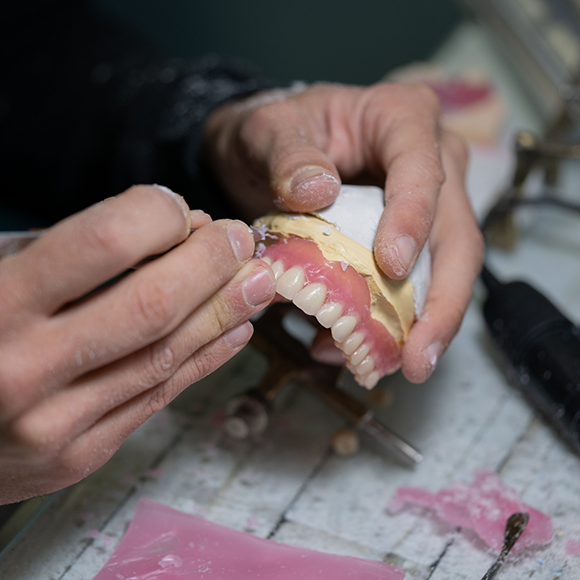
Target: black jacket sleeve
pixel 86 110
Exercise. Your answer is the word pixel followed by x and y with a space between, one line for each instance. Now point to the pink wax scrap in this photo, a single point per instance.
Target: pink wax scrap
pixel 163 543
pixel 483 507
pixel 455 94
pixel 573 547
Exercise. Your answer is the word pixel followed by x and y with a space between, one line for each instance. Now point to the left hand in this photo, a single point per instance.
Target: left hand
pixel 293 149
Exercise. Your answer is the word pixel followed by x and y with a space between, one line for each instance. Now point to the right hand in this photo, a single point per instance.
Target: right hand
pixel 293 149
pixel 78 372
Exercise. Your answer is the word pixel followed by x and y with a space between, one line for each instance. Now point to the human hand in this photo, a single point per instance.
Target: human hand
pixel 292 149
pixel 78 372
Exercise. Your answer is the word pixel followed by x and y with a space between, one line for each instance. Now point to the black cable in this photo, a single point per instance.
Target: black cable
pixel 509 203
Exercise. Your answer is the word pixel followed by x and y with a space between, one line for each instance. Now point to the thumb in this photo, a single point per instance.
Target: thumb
pixel 282 148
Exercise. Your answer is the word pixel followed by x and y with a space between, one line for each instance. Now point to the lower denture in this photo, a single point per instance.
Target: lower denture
pixel 371 357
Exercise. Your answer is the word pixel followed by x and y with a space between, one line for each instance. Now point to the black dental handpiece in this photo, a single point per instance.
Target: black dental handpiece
pixel 543 348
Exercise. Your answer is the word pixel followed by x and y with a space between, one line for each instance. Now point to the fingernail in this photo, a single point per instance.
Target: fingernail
pixel 432 355
pixel 306 174
pixel 176 197
pixel 405 249
pixel 239 335
pixel 258 287
pixel 242 240
pixel 305 178
pixel 327 354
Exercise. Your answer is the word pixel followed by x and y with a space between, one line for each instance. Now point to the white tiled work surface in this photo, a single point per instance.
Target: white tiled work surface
pixel 289 486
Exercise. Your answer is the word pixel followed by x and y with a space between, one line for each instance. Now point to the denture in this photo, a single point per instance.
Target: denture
pixel 324 263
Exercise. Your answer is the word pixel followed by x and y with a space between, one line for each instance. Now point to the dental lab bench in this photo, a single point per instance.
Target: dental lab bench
pixel 288 483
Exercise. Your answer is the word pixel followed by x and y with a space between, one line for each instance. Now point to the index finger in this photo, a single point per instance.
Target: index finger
pixel 405 123
pixel 86 250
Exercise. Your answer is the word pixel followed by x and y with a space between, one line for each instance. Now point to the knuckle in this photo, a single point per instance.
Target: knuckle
pixel 429 97
pixel 162 199
pixel 20 385
pixel 201 364
pixel 160 366
pixel 224 309
pixel 206 362
pixel 32 441
pixel 432 167
pixel 215 258
pixel 270 110
pixel 74 466
pixel 158 399
pixel 260 120
pixel 457 147
pixel 103 236
pixel 407 95
pixel 256 120
pixel 153 306
pixel 11 384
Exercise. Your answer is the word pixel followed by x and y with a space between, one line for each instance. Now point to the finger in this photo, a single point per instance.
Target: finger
pixel 324 350
pixel 154 300
pixel 99 392
pixel 96 445
pixel 457 253
pixel 140 309
pixel 406 141
pixel 277 141
pixel 198 218
pixel 95 245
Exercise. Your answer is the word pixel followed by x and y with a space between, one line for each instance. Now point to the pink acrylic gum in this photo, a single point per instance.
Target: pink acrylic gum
pixel 163 543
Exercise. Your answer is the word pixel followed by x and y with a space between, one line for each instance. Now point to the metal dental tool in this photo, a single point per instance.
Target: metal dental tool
pixel 289 358
pixel 514 528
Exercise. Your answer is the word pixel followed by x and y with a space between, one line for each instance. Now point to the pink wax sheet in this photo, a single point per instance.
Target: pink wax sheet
pixel 168 544
pixel 573 547
pixel 484 507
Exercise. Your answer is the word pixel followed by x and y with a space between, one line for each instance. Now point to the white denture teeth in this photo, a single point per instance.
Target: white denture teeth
pixel 371 381
pixel 267 259
pixel 352 342
pixel 278 269
pixel 310 298
pixel 291 282
pixel 359 355
pixel 343 328
pixel 329 314
pixel 366 366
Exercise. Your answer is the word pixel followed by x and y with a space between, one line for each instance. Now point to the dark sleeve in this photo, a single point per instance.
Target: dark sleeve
pixel 87 111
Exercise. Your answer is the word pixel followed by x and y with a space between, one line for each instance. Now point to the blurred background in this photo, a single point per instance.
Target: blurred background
pixel 343 40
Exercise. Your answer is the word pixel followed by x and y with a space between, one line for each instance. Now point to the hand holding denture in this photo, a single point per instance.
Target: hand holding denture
pixel 292 150
pixel 83 364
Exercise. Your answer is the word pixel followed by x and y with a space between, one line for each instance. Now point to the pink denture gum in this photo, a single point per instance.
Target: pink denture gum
pixel 346 286
pixel 163 543
pixel 484 507
pixel 324 263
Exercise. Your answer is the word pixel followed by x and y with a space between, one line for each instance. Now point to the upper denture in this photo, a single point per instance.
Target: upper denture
pixel 340 300
pixel 329 275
